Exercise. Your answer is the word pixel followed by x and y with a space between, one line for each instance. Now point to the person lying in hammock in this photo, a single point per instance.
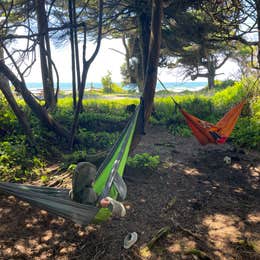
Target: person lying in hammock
pixel 218 138
pixel 82 190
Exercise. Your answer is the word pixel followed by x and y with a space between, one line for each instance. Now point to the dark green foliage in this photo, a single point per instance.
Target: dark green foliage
pixel 98 141
pixel 8 122
pixel 93 121
pixel 64 115
pixel 200 106
pixel 187 42
pixel 247 133
pixel 144 161
pixel 223 84
pixel 180 130
pixel 17 160
pixel 74 157
pixel 102 122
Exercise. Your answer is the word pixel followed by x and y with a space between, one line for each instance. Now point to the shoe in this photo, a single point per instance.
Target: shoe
pixel 130 240
pixel 116 207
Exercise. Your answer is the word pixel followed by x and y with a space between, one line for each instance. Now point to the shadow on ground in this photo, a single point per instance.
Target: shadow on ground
pixel 212 210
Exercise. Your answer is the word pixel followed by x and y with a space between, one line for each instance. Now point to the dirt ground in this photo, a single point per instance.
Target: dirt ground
pixel 210 210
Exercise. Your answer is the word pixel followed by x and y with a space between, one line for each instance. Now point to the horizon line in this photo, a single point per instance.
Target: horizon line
pixel 121 82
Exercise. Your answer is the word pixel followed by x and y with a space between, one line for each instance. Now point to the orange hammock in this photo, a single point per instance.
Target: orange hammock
pixel 207 133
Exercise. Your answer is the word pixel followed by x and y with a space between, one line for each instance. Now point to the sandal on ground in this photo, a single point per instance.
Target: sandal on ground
pixel 116 207
pixel 130 240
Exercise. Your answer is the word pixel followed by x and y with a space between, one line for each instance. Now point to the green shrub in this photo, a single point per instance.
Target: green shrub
pixel 226 98
pixel 8 121
pixel 93 121
pixel 74 157
pixel 180 130
pixel 199 106
pixel 144 161
pixel 99 141
pixel 219 84
pixel 17 162
pixel 246 133
pixel 110 87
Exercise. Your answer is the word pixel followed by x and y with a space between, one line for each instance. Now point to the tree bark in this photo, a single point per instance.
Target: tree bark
pixel 139 68
pixel 127 57
pixel 45 55
pixel 72 47
pixel 257 2
pixel 76 45
pixel 144 36
pixel 153 57
pixel 211 78
pixel 211 71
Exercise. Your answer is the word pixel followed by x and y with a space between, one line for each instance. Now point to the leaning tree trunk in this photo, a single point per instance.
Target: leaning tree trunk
pixel 36 108
pixel 6 90
pixel 45 55
pixel 24 122
pixel 153 57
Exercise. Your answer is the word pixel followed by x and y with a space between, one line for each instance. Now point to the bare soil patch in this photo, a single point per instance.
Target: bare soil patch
pixel 211 210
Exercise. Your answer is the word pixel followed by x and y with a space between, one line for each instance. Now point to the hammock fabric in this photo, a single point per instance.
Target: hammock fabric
pixel 108 182
pixel 206 132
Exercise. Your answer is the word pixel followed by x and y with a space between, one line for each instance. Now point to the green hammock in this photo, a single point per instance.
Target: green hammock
pixel 108 182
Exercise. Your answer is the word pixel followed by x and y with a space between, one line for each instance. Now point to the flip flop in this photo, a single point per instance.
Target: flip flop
pixel 130 240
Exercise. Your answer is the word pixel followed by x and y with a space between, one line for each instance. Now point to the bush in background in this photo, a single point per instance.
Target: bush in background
pixel 212 107
pixel 144 161
pixel 108 86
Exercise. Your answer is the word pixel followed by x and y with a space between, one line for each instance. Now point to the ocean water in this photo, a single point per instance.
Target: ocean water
pixel 171 86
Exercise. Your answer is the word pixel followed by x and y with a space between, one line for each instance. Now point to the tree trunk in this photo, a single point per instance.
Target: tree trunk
pixel 6 90
pixel 127 57
pixel 72 47
pixel 135 71
pixel 257 2
pixel 211 78
pixel 76 45
pixel 45 55
pixel 144 36
pixel 139 70
pixel 153 57
pixel 24 122
pixel 86 65
pixel 211 71
pixel 36 108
